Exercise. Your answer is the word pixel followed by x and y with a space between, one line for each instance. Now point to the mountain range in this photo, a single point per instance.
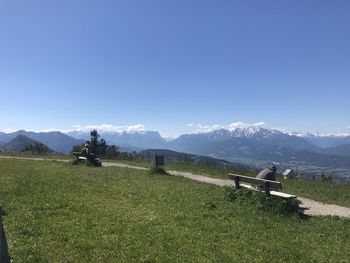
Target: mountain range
pixel 251 143
pixel 133 140
pixel 324 140
pixel 56 140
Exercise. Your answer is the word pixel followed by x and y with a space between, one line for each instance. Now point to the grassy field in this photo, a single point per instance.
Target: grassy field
pixel 212 171
pixel 328 192
pixel 55 212
pixel 30 155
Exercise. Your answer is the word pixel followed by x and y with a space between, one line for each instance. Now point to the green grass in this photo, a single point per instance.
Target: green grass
pixel 30 155
pixel 157 171
pixel 140 163
pixel 56 212
pixel 328 192
pixel 210 170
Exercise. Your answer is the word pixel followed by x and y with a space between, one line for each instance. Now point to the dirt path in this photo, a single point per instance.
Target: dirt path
pixel 314 208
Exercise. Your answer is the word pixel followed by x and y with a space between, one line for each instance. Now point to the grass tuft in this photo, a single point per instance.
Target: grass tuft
pixel 77 162
pixel 157 171
pixel 93 162
pixel 258 200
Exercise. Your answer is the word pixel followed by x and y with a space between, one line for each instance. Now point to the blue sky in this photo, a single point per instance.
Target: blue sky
pixel 167 64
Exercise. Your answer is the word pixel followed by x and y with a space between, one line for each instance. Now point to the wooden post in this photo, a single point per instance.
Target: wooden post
pixel 154 160
pixel 4 256
pixel 158 160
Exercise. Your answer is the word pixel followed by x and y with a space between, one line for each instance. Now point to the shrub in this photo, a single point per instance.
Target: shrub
pixel 88 162
pixel 157 171
pixel 262 202
pixel 93 162
pixel 325 178
pixel 76 162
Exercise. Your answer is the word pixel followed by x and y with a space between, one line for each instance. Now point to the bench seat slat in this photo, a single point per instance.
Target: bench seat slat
pixel 251 183
pixel 274 193
pixel 283 195
pixel 273 185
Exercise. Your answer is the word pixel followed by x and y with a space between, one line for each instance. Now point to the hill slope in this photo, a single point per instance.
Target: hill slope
pixel 339 150
pixel 57 141
pixel 80 214
pixel 22 143
pixel 173 156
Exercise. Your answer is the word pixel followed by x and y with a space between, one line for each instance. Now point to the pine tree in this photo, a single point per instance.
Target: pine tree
pixel 96 145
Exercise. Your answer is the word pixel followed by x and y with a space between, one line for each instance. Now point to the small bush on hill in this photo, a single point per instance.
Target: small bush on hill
pixel 76 162
pixel 262 202
pixel 93 162
pixel 37 148
pixel 88 162
pixel 325 178
pixel 157 171
pixel 112 152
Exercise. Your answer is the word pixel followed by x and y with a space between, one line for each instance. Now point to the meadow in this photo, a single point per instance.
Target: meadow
pixel 56 212
pixel 329 192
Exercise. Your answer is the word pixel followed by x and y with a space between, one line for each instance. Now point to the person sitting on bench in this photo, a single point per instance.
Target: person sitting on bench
pixel 268 174
pixel 85 151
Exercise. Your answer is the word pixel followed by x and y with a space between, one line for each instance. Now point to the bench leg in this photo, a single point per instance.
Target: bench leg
pixel 237 183
pixel 267 189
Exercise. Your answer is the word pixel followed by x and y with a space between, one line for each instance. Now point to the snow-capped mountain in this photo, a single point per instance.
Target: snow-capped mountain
pixel 135 139
pixel 269 136
pixel 319 134
pixel 249 132
pixel 324 140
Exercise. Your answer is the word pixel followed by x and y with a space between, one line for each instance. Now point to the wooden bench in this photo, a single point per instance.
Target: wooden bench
pixel 79 156
pixel 90 157
pixel 271 188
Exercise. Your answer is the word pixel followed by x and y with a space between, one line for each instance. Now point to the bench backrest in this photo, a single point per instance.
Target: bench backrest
pixel 272 185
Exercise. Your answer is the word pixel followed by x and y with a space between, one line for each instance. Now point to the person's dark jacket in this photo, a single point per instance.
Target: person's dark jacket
pixel 268 174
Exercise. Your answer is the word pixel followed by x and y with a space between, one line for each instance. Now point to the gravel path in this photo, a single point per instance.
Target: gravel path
pixel 313 208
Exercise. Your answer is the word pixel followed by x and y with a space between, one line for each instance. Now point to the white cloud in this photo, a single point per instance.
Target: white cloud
pixel 9 130
pixel 203 128
pixel 348 127
pixel 88 128
pixel 46 130
pixel 109 128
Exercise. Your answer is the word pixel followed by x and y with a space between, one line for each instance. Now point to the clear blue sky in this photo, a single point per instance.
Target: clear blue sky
pixel 165 64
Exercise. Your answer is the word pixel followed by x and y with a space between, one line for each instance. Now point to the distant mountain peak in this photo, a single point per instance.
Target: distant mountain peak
pixel 319 134
pixel 251 131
